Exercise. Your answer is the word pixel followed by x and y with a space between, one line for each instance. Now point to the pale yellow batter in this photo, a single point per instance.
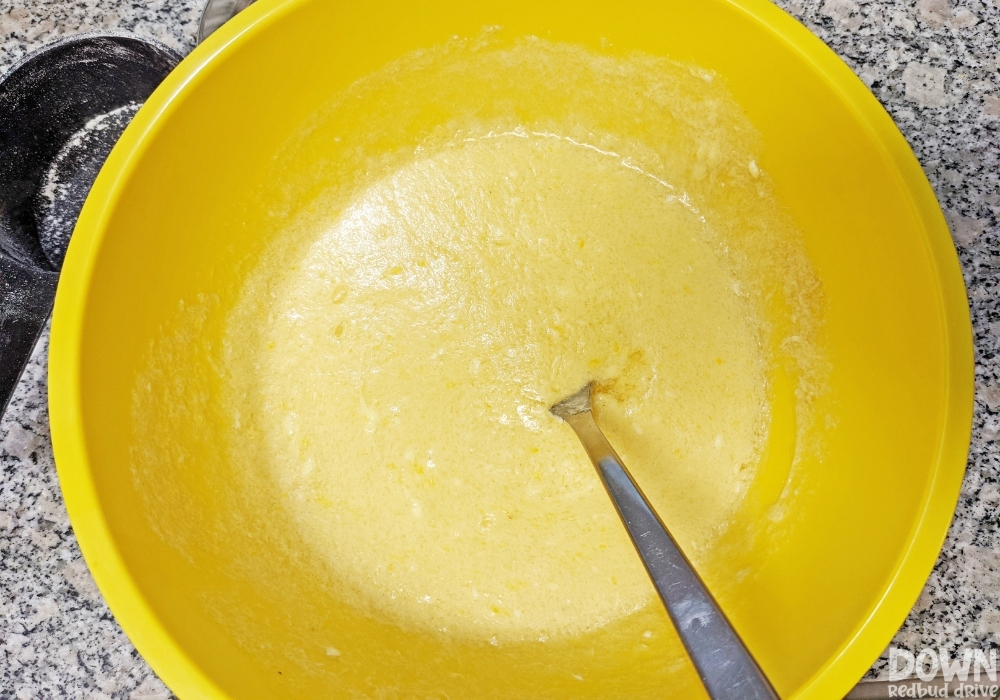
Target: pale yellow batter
pixel 482 228
pixel 412 351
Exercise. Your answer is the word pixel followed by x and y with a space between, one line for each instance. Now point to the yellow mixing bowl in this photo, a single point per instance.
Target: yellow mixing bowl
pixel 170 216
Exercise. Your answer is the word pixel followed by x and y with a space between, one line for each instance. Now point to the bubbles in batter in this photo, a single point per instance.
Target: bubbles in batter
pixel 414 345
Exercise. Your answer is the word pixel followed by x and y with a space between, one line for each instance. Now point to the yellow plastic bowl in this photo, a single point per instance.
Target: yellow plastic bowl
pixel 168 216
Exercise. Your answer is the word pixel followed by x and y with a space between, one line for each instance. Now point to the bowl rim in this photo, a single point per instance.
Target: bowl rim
pixel 136 616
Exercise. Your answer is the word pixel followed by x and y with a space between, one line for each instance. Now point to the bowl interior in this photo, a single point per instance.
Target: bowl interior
pixel 175 216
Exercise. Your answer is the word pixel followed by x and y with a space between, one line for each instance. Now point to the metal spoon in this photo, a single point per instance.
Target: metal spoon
pixel 726 668
pixel 217 13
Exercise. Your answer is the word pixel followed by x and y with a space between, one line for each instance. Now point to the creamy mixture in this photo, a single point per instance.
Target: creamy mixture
pixel 404 380
pixel 390 362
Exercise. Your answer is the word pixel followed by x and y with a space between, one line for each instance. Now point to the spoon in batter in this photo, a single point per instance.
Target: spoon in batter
pixel 726 668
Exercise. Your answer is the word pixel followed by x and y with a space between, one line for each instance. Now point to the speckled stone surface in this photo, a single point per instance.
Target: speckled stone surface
pixel 934 65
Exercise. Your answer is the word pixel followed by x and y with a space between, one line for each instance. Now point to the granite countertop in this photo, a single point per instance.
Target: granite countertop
pixel 933 65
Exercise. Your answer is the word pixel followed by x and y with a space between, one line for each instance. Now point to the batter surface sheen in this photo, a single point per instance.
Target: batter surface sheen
pixel 415 342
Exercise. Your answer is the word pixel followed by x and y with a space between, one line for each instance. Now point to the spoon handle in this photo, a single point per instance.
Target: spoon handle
pixel 724 664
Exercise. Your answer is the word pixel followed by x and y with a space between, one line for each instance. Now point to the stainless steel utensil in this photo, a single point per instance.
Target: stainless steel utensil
pixel 217 13
pixel 726 668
